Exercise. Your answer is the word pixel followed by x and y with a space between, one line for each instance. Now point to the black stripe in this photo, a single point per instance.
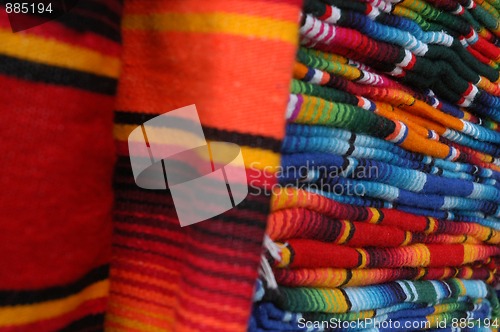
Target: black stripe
pixel 151 222
pixel 345 164
pixel 360 258
pixel 231 237
pixel 413 272
pixel 201 253
pixel 398 290
pixel 347 300
pixel 85 24
pixel 88 324
pixel 206 270
pixel 347 277
pixel 489 236
pixel 352 139
pixel 37 72
pixel 427 224
pixel 332 231
pixel 215 134
pixel 248 205
pixel 9 298
pixel 381 216
pixel 351 232
pixel 100 8
pixel 426 270
pixel 80 18
pixel 350 150
pixel 239 218
pixel 292 254
pixel 149 287
pixel 255 201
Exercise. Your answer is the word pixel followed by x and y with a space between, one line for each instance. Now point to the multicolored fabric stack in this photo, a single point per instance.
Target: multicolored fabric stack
pixel 388 214
pixel 61 268
pixel 387 208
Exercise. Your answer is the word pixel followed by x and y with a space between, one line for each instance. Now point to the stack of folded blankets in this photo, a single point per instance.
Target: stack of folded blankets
pixel 388 213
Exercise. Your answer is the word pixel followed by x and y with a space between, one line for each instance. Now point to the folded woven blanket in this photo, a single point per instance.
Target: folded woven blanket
pixel 403 317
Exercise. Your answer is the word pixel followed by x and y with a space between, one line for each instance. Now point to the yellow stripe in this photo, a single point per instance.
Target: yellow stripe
pixel 408 238
pixel 339 301
pixel 55 53
pixel 491 277
pixel 121 310
pixel 470 253
pixel 285 255
pixel 375 219
pixel 335 277
pixel 25 314
pixel 327 56
pixel 135 324
pixel 211 323
pixel 225 23
pixel 421 273
pixel 261 159
pixel 461 285
pixel 432 226
pixel 153 309
pixel 328 301
pixel 364 258
pixel 421 255
pixel 347 231
pixel 148 313
pixel 131 323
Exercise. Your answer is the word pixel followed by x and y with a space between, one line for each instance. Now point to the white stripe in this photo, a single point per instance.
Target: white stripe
pixel 420 180
pixel 473 38
pixel 477 188
pixel 473 93
pixel 317 77
pixel 396 71
pixel 403 131
pixel 335 15
pixel 292 101
pixel 374 13
pixel 406 59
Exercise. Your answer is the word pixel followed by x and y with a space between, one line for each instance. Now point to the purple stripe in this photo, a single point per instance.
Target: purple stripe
pixel 296 111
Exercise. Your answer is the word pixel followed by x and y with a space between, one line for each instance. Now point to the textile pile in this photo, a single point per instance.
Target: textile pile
pixel 82 247
pixel 379 191
pixel 388 210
